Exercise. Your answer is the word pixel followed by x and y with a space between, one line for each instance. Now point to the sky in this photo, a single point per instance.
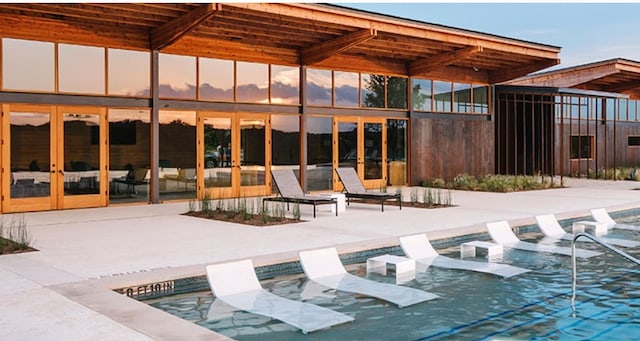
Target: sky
pixel 586 31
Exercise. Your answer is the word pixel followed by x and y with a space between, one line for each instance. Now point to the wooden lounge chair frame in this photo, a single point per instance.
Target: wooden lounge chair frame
pixel 289 191
pixel 353 188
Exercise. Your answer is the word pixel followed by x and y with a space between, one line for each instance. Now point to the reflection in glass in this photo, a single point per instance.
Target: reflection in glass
pixel 373 90
pixel 30 154
pixel 81 153
pixel 319 87
pixel 622 112
pixel 285 136
pixel 28 65
pixel 396 92
pixel 252 152
pixel 177 154
pixel 348 144
pixel 129 154
pixel 633 110
pixel 480 99
pixel 372 151
pixel 319 153
pixel 129 73
pixel 216 79
pixel 253 82
pixel 442 96
pixel 81 69
pixel 285 84
pixel 217 152
pixel 397 152
pixel 421 95
pixel 346 89
pixel 462 97
pixel 177 76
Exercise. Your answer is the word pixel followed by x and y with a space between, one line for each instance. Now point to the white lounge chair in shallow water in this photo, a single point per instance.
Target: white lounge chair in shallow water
pixel 600 215
pixel 501 233
pixel 418 248
pixel 552 229
pixel 236 284
pixel 324 267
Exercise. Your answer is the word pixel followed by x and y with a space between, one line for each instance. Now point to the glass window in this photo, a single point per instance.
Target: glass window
pixel 319 153
pixel 397 92
pixel 28 65
pixel 129 73
pixel 611 107
pixel 397 152
pixel 177 144
pixel 81 69
pixel 319 87
pixel 622 112
pixel 285 84
pixel 253 82
pixel 634 141
pixel 633 110
pixel 177 76
pixel 462 97
pixel 421 94
pixel 285 137
pixel 373 91
pixel 346 89
pixel 581 147
pixel 442 96
pixel 481 99
pixel 216 79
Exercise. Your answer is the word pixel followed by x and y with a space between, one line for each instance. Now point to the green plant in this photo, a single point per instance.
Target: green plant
pixel 413 196
pixel 15 233
pixel 296 211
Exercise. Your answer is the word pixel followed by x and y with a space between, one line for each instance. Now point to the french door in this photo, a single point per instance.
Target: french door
pixel 54 157
pixel 236 149
pixel 360 143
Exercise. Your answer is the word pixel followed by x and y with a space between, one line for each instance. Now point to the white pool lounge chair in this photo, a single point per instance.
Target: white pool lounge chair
pixel 419 248
pixel 236 284
pixel 600 215
pixel 324 267
pixel 550 227
pixel 501 233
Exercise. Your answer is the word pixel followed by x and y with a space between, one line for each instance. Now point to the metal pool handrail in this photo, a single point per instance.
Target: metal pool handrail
pixel 603 244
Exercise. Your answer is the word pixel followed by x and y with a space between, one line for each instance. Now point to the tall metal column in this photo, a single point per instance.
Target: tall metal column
pixel 154 188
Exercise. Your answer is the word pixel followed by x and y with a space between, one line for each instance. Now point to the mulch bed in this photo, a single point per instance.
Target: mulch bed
pixel 9 247
pixel 254 220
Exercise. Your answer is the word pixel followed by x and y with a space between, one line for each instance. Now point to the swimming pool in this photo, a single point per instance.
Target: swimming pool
pixel 534 305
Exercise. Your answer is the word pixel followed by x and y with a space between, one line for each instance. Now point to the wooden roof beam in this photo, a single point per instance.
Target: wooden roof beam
pixel 319 52
pixel 625 86
pixel 172 31
pixel 499 76
pixel 424 65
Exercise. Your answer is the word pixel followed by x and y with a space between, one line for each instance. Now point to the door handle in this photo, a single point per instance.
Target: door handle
pixel 60 171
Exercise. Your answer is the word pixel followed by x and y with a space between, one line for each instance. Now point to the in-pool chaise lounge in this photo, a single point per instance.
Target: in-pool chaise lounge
pixel 418 248
pixel 600 215
pixel 289 191
pixel 324 267
pixel 236 284
pixel 353 188
pixel 501 233
pixel 550 227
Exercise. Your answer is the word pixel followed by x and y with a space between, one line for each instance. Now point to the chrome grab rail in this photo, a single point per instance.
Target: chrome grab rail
pixel 603 244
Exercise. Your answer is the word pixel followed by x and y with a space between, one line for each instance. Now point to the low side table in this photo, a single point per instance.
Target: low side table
pixel 468 249
pixel 593 227
pixel 405 268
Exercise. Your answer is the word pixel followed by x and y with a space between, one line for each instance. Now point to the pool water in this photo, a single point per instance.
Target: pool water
pixel 532 306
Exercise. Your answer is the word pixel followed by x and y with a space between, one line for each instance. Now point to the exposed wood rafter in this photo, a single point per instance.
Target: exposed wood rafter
pixel 504 75
pixel 626 86
pixel 319 52
pixel 175 29
pixel 424 65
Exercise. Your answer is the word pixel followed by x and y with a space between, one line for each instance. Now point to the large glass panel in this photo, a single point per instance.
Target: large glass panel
pixel 397 93
pixel 285 84
pixel 217 152
pixel 442 96
pixel 252 152
pixel 285 137
pixel 216 79
pixel 633 110
pixel 30 154
pixel 28 65
pixel 346 86
pixel 129 155
pixel 373 91
pixel 81 69
pixel 348 144
pixel 177 154
pixel 622 112
pixel 372 151
pixel 462 97
pixel 253 82
pixel 397 152
pixel 421 94
pixel 481 99
pixel 319 153
pixel 581 147
pixel 611 107
pixel 129 73
pixel 177 76
pixel 81 153
pixel 319 87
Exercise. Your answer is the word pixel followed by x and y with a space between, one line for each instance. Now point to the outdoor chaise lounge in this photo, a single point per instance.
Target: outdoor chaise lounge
pixel 236 284
pixel 419 248
pixel 552 229
pixel 501 233
pixel 353 188
pixel 289 191
pixel 600 215
pixel 324 267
